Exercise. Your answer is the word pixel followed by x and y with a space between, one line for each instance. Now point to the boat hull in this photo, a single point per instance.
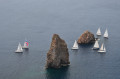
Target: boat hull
pixel 99 34
pixel 18 51
pixel 105 37
pixel 74 48
pixel 101 51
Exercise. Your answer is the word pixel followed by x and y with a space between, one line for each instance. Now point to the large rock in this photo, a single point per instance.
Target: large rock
pixel 57 55
pixel 86 38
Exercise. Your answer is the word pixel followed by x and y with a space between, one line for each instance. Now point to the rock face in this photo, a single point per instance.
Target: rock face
pixel 57 55
pixel 86 38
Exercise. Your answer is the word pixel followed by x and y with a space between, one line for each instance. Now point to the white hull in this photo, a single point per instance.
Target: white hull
pixel 101 51
pixel 105 36
pixel 18 51
pixel 99 34
pixel 74 48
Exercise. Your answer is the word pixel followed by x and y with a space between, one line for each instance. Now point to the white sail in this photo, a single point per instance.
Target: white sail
pixel 106 34
pixel 19 49
pixel 96 45
pixel 102 47
pixel 98 32
pixel 75 46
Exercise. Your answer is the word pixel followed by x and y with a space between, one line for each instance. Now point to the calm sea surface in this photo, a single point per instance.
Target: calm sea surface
pixel 38 20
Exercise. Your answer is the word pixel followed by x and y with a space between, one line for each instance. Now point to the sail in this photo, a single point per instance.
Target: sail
pixel 102 47
pixel 96 45
pixel 98 32
pixel 26 44
pixel 106 33
pixel 19 47
pixel 75 44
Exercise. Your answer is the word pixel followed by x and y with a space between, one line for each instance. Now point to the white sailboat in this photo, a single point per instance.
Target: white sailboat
pixel 75 46
pixel 98 32
pixel 26 45
pixel 96 45
pixel 106 34
pixel 19 49
pixel 102 49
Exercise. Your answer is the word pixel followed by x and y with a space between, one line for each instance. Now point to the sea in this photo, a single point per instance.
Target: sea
pixel 38 20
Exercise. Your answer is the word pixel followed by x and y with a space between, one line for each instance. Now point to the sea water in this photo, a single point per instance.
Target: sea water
pixel 38 20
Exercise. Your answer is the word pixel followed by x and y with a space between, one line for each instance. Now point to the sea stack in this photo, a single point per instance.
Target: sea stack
pixel 86 38
pixel 58 54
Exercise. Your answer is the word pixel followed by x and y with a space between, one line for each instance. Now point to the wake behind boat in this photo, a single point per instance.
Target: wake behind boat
pixel 19 49
pixel 75 46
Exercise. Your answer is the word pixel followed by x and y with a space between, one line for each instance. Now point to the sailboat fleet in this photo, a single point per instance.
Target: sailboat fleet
pixel 96 45
pixel 20 48
pixel 75 45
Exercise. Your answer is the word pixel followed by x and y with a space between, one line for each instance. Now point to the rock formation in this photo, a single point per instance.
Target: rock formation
pixel 86 38
pixel 57 55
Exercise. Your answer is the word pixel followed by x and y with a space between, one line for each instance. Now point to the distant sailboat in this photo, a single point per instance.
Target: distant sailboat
pixel 75 46
pixel 98 32
pixel 19 49
pixel 106 34
pixel 26 45
pixel 96 45
pixel 102 49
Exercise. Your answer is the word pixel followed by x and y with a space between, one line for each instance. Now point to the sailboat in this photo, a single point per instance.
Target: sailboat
pixel 96 45
pixel 19 49
pixel 98 32
pixel 75 46
pixel 106 34
pixel 26 45
pixel 102 49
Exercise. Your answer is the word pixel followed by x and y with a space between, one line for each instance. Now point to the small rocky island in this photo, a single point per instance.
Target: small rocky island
pixel 58 54
pixel 86 38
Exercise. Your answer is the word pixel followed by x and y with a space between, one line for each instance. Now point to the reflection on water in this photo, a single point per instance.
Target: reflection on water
pixel 26 50
pixel 19 54
pixel 61 73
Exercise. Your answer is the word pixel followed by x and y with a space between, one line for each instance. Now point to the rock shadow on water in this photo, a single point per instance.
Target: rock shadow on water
pixel 90 45
pixel 60 73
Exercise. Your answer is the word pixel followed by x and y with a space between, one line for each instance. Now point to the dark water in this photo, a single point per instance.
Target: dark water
pixel 38 20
